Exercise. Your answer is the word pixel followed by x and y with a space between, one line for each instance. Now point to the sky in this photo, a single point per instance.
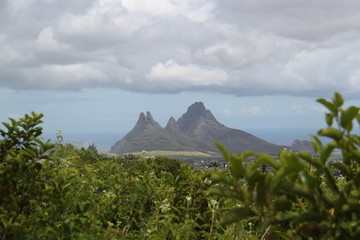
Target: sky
pixel 94 65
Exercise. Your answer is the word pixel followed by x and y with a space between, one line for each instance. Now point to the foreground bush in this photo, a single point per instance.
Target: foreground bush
pixel 56 191
pixel 304 196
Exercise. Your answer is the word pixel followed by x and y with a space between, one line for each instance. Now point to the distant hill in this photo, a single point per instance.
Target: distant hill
pixel 302 146
pixel 195 130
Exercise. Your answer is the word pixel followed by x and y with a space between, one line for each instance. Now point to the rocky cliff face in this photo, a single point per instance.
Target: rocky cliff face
pixel 146 135
pixel 195 130
pixel 200 124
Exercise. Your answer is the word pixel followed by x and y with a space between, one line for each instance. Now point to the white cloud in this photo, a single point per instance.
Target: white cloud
pixel 104 24
pixel 240 47
pixel 47 42
pixel 191 75
pixel 355 81
pixel 16 6
pixel 227 112
pixel 253 111
pixel 305 110
pixel 63 77
pixel 197 11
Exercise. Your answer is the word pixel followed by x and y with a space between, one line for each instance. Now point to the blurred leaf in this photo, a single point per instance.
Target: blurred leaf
pixel 284 235
pixel 7 125
pixel 347 116
pixel 282 203
pixel 222 150
pixel 327 104
pixel 261 192
pixel 329 119
pixel 237 215
pixel 308 180
pixel 268 160
pixel 317 144
pixel 226 193
pixel 330 179
pixel 331 133
pixel 308 217
pixel 222 178
pixel 298 189
pixel 343 168
pixel 338 100
pixel 236 167
pixel 286 216
pixel 310 159
pixel 325 153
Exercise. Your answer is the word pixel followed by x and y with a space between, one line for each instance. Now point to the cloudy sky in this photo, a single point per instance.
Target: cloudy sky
pixel 94 65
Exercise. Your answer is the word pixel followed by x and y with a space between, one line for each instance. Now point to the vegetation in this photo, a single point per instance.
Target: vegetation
pixel 56 191
pixel 304 197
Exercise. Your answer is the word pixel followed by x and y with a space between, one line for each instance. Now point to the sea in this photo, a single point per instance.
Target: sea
pixel 104 140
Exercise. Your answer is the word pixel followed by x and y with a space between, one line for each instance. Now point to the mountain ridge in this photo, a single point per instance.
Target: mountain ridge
pixel 196 130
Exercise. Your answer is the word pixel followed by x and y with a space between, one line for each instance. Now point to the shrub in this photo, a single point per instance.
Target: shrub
pixel 301 197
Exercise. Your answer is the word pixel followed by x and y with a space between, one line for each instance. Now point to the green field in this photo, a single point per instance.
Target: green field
pixel 160 153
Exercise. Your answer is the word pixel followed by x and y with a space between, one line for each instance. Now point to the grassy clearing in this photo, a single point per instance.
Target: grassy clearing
pixel 160 153
pixel 108 154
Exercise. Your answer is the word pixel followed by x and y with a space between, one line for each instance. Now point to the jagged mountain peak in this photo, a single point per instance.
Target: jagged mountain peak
pixel 171 121
pixel 195 130
pixel 172 125
pixel 196 115
pixel 146 119
pixel 197 108
pixel 142 116
pixel 141 120
pixel 149 118
pixel 145 122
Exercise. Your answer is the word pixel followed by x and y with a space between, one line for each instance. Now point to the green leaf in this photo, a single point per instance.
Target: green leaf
pixel 237 215
pixel 227 193
pixel 222 178
pixel 269 160
pixel 261 191
pixel 317 144
pixel 13 122
pixel 358 119
pixel 356 156
pixel 7 125
pixel 286 216
pixel 357 180
pixel 328 105
pixel 222 150
pixel 308 217
pixel 331 133
pixel 325 153
pixel 296 189
pixel 308 180
pixel 237 167
pixel 347 116
pixel 330 179
pixel 329 119
pixel 282 203
pixel 284 235
pixel 338 100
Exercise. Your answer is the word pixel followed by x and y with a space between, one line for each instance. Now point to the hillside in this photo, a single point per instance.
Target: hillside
pixel 195 130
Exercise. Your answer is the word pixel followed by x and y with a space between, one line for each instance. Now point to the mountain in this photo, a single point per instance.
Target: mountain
pixel 302 146
pixel 147 134
pixel 195 130
pixel 200 124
